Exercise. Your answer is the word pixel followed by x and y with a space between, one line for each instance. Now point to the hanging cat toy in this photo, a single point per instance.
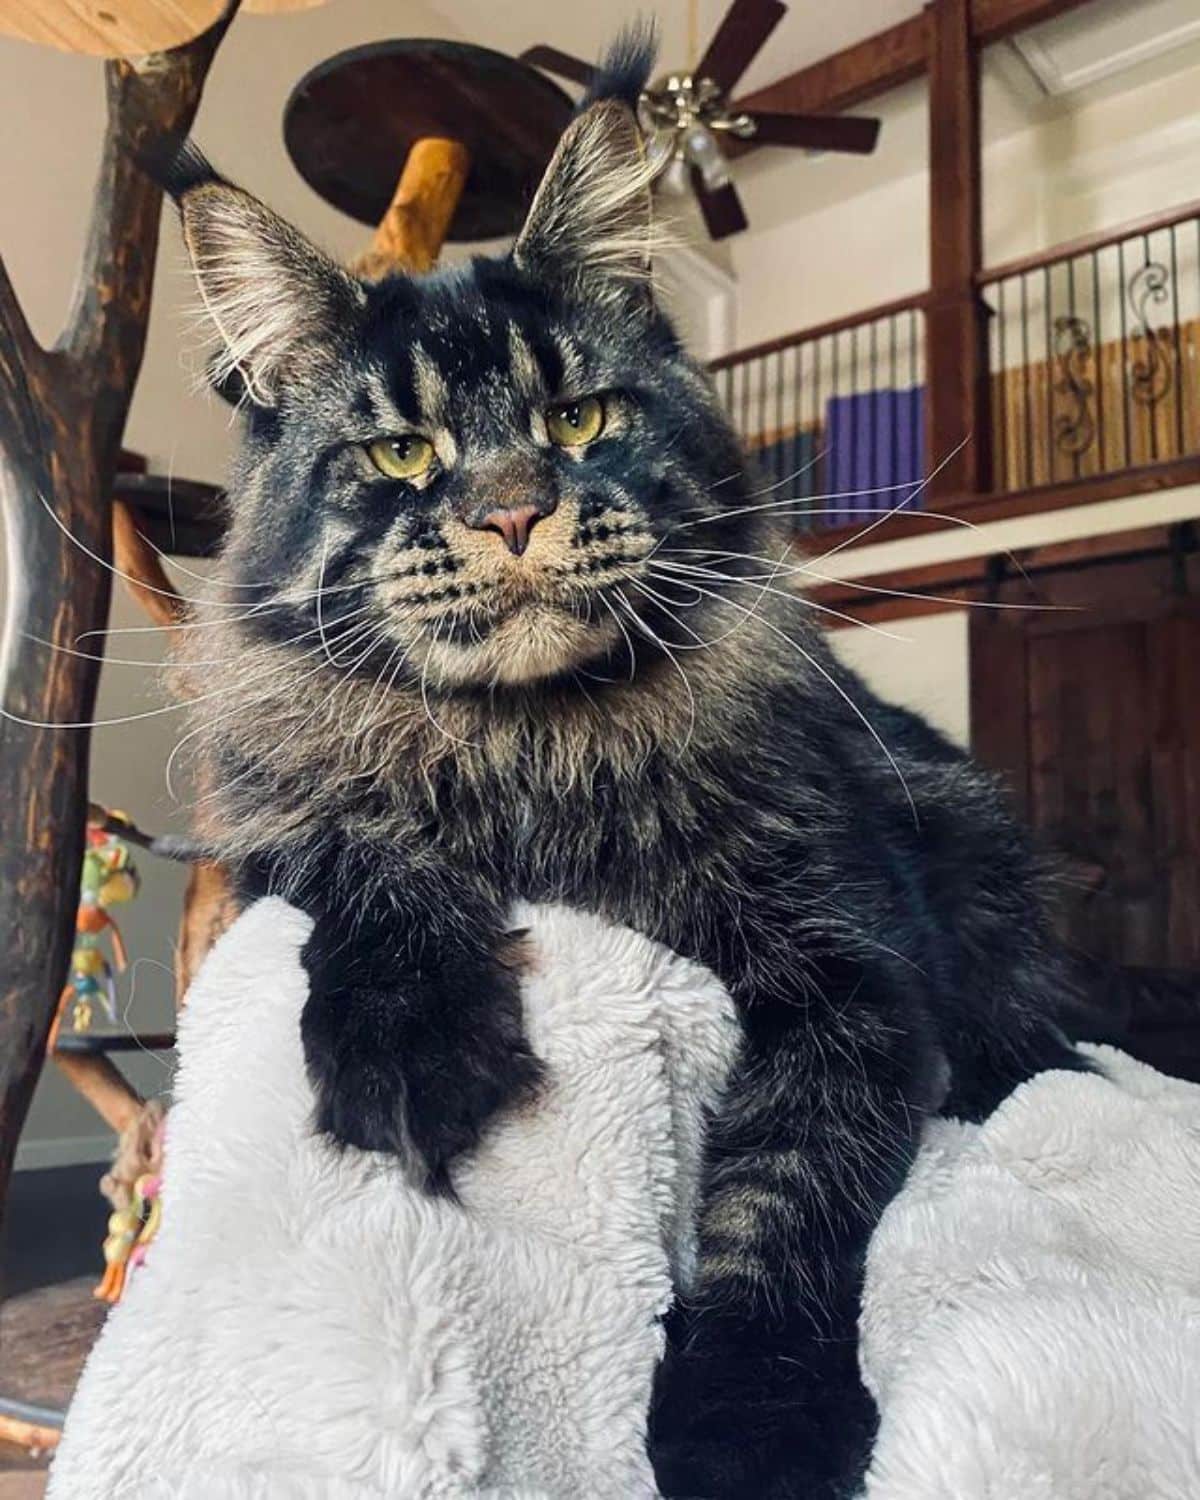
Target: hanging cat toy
pixel 109 878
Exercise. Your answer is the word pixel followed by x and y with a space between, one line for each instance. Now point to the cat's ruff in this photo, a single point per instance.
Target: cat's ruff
pixel 308 1326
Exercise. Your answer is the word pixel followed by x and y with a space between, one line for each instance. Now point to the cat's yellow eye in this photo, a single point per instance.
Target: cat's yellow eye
pixel 405 457
pixel 576 422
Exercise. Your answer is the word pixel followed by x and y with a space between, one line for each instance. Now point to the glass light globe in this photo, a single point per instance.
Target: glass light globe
pixel 702 150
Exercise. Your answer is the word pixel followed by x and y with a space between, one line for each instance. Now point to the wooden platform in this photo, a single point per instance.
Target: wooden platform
pixel 21 1484
pixel 45 1336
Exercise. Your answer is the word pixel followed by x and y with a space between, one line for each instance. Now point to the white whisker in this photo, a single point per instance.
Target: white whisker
pixel 128 577
pixel 628 640
pixel 838 688
pixel 657 639
pixel 265 649
pixel 441 729
pixel 257 698
pixel 723 555
pixel 908 499
pixel 788 595
pixel 399 649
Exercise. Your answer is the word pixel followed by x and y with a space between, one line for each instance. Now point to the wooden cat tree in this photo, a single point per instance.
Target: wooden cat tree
pixel 474 131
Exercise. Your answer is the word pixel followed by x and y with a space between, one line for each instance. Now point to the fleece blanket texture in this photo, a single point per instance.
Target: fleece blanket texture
pixel 309 1326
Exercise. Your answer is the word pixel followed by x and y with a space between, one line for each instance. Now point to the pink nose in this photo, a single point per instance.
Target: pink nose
pixel 514 525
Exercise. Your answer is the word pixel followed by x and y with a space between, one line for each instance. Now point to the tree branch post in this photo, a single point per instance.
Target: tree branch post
pixel 62 416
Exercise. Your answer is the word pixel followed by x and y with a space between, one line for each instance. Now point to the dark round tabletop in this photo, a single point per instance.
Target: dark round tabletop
pixel 351 121
pixel 184 517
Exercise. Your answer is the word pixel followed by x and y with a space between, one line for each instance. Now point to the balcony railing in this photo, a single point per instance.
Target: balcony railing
pixel 835 414
pixel 1093 372
pixel 1093 355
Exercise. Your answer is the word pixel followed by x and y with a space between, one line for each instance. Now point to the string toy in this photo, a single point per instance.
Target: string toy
pixel 131 1229
pixel 109 878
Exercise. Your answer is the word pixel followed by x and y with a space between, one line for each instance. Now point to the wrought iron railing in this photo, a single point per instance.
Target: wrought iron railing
pixel 1093 370
pixel 835 415
pixel 1093 354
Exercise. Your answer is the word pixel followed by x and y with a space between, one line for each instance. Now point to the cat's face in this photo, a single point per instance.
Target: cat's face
pixel 468 472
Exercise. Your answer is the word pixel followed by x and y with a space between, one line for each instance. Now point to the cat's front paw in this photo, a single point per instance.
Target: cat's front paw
pixel 726 1425
pixel 416 1073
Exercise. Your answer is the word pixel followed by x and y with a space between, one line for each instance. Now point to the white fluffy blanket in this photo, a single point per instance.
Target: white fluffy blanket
pixel 309 1327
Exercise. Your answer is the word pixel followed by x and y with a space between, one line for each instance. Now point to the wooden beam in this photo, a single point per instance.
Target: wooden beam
pixel 935 588
pixel 956 356
pixel 104 1087
pixel 862 72
pixel 142 570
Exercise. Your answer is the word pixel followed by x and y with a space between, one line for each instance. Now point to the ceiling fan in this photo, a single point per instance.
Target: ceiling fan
pixel 686 116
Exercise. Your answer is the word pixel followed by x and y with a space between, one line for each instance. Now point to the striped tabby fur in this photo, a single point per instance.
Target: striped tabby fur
pixel 410 727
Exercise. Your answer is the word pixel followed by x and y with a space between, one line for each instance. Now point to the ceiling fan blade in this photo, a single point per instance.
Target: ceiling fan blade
pixel 558 62
pixel 747 25
pixel 857 133
pixel 722 209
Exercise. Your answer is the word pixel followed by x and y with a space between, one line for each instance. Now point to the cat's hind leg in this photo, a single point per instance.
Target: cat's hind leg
pixel 759 1394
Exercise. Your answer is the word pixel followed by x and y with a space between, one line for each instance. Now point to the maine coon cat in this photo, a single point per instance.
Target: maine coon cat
pixel 503 616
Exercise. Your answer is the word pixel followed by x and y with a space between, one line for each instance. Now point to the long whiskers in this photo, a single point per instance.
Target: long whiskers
pixel 822 499
pixel 367 628
pixel 832 681
pixel 429 714
pixel 128 577
pixel 149 713
pixel 266 649
pixel 254 701
pixel 625 632
pixel 718 555
pixel 671 657
pixel 368 716
pixel 790 596
pixel 908 499
pixel 280 600
pixel 250 613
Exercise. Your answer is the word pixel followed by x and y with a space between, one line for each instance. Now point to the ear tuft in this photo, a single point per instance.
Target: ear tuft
pixel 177 165
pixel 276 304
pixel 624 70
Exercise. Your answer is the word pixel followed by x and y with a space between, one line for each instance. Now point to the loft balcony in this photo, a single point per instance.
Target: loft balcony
pixel 1089 389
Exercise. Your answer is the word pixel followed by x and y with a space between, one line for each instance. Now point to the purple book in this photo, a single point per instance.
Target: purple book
pixel 874 452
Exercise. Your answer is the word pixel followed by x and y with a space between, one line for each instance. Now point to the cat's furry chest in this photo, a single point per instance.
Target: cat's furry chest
pixel 673 847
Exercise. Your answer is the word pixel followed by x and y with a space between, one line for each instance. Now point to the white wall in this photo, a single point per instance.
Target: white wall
pixel 921 663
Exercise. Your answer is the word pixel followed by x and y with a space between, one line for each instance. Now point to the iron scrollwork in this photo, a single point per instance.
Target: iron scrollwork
pixel 1150 377
pixel 1074 430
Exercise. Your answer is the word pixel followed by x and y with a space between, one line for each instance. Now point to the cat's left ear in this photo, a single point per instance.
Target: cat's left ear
pixel 590 227
pixel 278 306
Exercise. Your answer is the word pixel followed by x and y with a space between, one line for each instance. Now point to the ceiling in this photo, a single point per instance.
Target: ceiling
pixel 1091 45
pixel 810 30
pixel 1104 46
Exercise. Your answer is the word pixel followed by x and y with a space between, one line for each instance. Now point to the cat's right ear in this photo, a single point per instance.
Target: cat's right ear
pixel 590 228
pixel 276 304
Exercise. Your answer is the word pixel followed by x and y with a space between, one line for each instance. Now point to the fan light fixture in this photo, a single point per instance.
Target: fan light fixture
pixel 684 116
pixel 681 116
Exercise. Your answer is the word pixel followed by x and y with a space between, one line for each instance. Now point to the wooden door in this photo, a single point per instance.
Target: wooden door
pixel 1094 717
